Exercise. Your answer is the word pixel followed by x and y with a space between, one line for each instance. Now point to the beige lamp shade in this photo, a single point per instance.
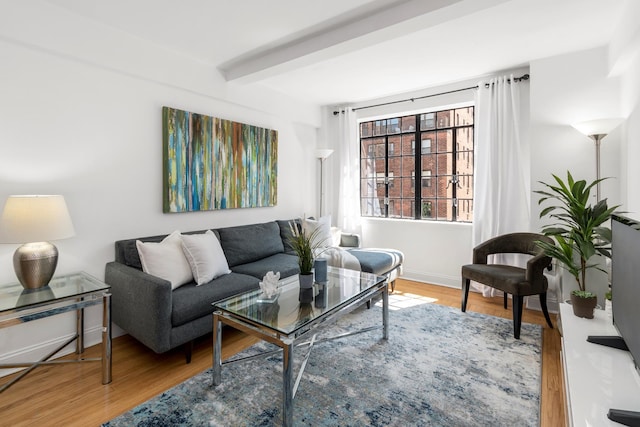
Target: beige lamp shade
pixel 35 219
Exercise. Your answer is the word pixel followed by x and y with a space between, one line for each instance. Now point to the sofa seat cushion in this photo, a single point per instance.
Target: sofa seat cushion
pixel 247 243
pixel 190 302
pixel 286 264
pixel 376 260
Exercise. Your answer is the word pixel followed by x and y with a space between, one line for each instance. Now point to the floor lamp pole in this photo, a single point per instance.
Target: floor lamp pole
pixel 597 138
pixel 321 185
pixel 322 154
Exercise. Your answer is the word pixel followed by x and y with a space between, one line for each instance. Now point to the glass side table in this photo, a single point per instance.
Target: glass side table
pixel 72 292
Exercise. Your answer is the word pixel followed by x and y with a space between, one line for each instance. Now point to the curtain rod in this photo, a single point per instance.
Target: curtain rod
pixel 487 85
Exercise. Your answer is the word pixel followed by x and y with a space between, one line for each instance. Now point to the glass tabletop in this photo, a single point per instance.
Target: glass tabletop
pixel 295 307
pixel 15 297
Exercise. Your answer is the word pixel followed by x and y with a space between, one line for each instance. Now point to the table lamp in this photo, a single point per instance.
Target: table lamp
pixel 33 221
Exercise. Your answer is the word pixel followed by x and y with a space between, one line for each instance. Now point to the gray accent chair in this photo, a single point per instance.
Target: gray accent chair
pixel 519 282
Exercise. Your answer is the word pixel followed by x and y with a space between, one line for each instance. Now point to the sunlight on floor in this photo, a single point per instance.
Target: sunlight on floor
pixel 399 300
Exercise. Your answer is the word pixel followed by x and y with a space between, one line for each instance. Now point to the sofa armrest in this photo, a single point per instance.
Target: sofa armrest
pixel 349 240
pixel 141 305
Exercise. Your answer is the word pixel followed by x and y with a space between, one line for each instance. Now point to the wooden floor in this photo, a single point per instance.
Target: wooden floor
pixel 72 395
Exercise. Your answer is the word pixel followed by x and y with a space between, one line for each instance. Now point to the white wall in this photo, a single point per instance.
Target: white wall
pixel 80 115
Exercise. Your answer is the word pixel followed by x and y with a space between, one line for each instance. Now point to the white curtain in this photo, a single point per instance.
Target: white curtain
pixel 348 150
pixel 502 165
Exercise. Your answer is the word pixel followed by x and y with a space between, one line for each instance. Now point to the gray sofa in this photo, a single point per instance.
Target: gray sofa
pixel 148 309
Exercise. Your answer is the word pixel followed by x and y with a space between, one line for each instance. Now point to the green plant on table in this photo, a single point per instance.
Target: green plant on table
pixel 305 245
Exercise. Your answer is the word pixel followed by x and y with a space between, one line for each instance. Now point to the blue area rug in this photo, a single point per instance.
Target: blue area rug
pixel 440 367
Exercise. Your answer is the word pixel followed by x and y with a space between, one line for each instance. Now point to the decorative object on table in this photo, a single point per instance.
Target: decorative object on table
pixel 211 163
pixel 320 300
pixel 320 270
pixel 305 296
pixel 322 154
pixel 305 245
pixel 269 287
pixel 33 221
pixel 577 228
pixel 597 130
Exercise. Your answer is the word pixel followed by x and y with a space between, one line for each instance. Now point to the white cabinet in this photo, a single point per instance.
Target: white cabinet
pixel 596 377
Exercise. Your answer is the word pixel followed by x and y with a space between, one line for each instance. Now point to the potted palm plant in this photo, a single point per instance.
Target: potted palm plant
pixel 579 233
pixel 305 245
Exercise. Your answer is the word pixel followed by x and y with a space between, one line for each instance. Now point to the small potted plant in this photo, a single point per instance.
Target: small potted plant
pixel 579 233
pixel 305 245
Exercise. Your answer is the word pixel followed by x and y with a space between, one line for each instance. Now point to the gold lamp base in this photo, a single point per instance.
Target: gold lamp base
pixel 35 263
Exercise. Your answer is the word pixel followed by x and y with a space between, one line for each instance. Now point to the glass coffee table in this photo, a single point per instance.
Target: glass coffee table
pixel 293 315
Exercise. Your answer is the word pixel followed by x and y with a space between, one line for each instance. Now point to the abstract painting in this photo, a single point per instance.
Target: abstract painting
pixel 211 163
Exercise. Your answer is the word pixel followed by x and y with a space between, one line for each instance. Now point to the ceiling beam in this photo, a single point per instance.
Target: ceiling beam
pixel 347 35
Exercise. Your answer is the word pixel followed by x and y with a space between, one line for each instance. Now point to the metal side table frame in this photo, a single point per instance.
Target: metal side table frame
pixel 73 292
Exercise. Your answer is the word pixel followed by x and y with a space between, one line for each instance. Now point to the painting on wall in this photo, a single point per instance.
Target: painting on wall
pixel 211 163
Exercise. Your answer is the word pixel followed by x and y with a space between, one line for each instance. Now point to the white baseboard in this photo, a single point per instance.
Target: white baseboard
pixel 92 336
pixel 448 281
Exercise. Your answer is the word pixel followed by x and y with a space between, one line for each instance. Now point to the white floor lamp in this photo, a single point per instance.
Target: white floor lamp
pixel 597 130
pixel 322 154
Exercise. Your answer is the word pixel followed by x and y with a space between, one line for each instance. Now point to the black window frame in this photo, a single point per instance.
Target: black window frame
pixel 426 121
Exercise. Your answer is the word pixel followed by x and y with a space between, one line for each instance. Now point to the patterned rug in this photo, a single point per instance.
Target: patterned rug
pixel 440 367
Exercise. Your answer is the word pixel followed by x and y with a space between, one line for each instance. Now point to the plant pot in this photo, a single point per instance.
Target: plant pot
pixel 306 280
pixel 583 307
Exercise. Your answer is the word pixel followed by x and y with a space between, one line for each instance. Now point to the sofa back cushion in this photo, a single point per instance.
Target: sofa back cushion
pixel 127 252
pixel 248 243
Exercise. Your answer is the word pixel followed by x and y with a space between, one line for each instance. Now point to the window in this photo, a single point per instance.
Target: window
pixel 442 190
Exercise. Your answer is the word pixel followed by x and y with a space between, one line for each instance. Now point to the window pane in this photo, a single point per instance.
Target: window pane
pixel 445 210
pixel 408 166
pixel 445 188
pixel 427 121
pixel 464 163
pixel 371 207
pixel 445 141
pixel 366 129
pixel 464 116
pixel 445 164
pixel 380 127
pixel 409 124
pixel 394 145
pixel 393 125
pixel 444 119
pixel 465 186
pixel 428 211
pixel 464 139
pixel 408 188
pixel 465 210
pixel 395 208
pixel 408 145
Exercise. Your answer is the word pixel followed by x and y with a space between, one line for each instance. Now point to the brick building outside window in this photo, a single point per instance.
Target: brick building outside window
pixel 443 187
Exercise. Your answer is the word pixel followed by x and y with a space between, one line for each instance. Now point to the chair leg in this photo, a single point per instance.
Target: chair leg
pixel 517 315
pixel 506 297
pixel 465 293
pixel 543 305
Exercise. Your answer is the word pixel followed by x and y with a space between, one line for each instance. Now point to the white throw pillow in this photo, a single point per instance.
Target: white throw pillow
pixel 165 260
pixel 323 237
pixel 205 256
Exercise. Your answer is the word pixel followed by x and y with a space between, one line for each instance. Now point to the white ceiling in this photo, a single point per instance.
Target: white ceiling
pixel 338 51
